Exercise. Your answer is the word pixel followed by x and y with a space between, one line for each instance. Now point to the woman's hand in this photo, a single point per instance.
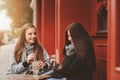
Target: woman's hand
pixel 30 58
pixel 42 64
pixel 59 67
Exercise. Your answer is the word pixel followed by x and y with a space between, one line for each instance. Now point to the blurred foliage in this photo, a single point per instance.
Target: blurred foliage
pixel 19 11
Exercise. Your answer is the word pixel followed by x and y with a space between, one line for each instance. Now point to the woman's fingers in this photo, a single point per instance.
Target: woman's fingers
pixel 41 64
pixel 30 58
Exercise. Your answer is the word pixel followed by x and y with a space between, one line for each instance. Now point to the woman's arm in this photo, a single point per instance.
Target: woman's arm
pixel 47 59
pixel 16 68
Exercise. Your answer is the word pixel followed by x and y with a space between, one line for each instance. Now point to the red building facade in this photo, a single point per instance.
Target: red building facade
pixel 53 16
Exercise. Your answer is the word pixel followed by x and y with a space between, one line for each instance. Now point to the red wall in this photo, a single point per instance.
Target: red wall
pixel 100 47
pixel 93 18
pixel 38 17
pixel 74 11
pixel 48 21
pixel 55 15
pixel 46 24
pixel 114 40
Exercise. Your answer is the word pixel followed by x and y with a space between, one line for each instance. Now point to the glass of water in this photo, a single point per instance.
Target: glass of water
pixel 35 68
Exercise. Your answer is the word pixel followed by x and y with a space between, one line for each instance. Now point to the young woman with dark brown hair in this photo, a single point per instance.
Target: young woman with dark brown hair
pixel 79 58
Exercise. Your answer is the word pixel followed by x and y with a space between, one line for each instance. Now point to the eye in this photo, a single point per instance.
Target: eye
pixel 35 33
pixel 29 33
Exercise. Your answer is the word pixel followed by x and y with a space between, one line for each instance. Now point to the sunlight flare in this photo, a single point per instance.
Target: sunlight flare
pixel 5 21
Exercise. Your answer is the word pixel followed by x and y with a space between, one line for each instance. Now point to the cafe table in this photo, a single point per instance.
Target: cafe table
pixel 23 77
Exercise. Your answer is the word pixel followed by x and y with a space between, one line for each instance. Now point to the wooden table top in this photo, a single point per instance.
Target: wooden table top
pixel 23 77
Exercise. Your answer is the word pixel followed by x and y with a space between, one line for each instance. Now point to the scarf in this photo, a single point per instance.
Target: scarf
pixel 27 50
pixel 70 49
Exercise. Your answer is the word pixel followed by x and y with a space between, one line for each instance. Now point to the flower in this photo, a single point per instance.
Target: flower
pixel 101 4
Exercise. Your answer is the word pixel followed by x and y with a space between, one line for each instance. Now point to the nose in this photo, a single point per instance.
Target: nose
pixel 69 38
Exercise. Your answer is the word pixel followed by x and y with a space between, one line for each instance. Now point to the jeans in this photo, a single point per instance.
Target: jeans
pixel 56 79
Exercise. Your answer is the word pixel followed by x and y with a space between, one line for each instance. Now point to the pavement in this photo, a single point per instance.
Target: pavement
pixel 5 51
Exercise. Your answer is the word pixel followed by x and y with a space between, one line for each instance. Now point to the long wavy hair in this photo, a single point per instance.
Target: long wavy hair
pixel 20 45
pixel 82 42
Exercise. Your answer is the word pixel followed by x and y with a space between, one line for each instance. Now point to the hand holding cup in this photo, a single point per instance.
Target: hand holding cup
pixel 30 58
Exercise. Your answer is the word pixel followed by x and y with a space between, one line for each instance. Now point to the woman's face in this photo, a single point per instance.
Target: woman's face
pixel 30 36
pixel 69 36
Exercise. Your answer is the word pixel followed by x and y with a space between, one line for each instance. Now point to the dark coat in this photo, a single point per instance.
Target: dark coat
pixel 74 68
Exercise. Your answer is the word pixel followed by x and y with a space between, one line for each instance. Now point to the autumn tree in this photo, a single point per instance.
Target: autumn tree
pixel 19 11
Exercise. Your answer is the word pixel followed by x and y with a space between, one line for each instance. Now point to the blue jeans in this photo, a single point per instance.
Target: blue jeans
pixel 56 79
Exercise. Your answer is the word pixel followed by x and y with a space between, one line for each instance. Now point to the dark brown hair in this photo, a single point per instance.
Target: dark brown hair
pixel 82 42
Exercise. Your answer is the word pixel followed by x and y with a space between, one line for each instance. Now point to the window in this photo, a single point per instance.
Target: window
pixel 101 16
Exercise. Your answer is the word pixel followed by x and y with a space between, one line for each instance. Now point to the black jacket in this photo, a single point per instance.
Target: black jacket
pixel 74 68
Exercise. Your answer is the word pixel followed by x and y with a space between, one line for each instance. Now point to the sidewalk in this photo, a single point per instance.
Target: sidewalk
pixel 5 51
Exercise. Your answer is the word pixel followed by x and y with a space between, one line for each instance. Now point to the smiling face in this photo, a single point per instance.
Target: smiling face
pixel 30 36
